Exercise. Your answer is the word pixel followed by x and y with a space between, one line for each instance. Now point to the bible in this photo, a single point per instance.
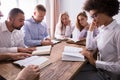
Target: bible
pixel 33 60
pixel 72 54
pixel 42 50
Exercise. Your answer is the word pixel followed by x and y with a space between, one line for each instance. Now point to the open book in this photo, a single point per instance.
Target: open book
pixel 42 50
pixel 78 42
pixel 33 60
pixel 72 54
pixel 55 41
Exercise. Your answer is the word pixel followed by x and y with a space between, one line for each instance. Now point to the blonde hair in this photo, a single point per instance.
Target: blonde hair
pixel 60 23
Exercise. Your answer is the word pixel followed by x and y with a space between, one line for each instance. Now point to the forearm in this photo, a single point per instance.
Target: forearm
pixel 10 49
pixel 33 42
pixel 113 67
pixel 5 56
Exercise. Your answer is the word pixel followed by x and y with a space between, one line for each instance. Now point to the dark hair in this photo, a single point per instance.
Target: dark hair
pixel 109 7
pixel 78 25
pixel 15 12
pixel 40 7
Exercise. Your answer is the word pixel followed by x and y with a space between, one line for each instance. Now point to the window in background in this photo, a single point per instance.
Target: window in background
pixel 26 5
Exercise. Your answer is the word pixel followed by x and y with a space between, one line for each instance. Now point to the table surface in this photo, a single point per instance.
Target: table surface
pixel 58 70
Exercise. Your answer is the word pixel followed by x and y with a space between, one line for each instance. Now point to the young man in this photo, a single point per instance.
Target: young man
pixel 11 37
pixel 35 29
pixel 107 66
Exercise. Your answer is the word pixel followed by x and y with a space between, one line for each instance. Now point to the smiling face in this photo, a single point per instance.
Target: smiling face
pixel 18 21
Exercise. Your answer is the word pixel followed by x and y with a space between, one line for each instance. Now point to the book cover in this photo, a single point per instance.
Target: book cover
pixel 72 54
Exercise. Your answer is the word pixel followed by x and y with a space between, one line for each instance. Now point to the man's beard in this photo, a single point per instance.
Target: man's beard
pixel 16 27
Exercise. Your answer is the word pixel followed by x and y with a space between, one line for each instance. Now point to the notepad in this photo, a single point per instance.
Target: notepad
pixel 42 50
pixel 72 54
pixel 33 60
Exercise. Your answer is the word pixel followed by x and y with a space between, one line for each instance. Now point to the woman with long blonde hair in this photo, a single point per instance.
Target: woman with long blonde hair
pixel 64 27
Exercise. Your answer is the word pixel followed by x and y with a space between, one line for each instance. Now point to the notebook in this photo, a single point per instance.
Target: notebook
pixel 42 50
pixel 72 54
pixel 33 60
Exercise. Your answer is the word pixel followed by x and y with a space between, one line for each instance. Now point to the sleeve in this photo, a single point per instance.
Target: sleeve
pixel 75 34
pixel 27 39
pixel 21 39
pixel 91 43
pixel 69 30
pixel 113 66
pixel 46 31
pixel 58 32
pixel 6 50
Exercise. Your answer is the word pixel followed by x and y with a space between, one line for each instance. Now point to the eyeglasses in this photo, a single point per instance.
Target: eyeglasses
pixel 94 15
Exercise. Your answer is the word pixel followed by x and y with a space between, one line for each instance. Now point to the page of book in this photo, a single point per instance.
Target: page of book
pixel 72 49
pixel 72 54
pixel 55 41
pixel 41 50
pixel 33 60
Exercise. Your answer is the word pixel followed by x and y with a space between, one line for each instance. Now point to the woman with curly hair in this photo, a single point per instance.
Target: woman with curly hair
pixel 107 65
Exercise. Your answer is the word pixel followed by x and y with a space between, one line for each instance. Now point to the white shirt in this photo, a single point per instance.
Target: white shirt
pixel 108 44
pixel 9 41
pixel 67 31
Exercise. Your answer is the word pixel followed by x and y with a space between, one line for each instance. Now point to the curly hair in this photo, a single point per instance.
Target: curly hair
pixel 109 7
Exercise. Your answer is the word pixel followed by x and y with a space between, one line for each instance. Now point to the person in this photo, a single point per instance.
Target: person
pixel 35 30
pixel 30 72
pixel 107 65
pixel 64 27
pixel 11 37
pixel 81 28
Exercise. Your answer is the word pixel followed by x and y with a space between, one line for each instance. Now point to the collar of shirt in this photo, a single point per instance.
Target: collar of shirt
pixel 32 20
pixel 110 26
pixel 4 28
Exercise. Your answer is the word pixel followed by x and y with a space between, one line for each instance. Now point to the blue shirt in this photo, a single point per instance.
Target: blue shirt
pixel 34 32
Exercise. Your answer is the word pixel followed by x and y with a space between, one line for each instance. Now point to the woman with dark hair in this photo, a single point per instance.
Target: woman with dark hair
pixel 82 26
pixel 107 65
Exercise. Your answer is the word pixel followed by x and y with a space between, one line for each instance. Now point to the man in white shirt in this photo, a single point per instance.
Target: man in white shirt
pixel 11 37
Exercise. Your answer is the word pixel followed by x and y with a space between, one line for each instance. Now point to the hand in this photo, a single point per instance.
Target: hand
pixel 17 56
pixel 46 42
pixel 89 56
pixel 29 73
pixel 26 50
pixel 92 26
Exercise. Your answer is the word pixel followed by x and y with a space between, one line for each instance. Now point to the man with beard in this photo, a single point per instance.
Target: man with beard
pixel 11 37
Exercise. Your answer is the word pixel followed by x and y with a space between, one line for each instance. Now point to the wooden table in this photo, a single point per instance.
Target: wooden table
pixel 58 70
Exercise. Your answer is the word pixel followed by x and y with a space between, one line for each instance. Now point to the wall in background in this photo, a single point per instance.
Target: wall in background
pixel 73 7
